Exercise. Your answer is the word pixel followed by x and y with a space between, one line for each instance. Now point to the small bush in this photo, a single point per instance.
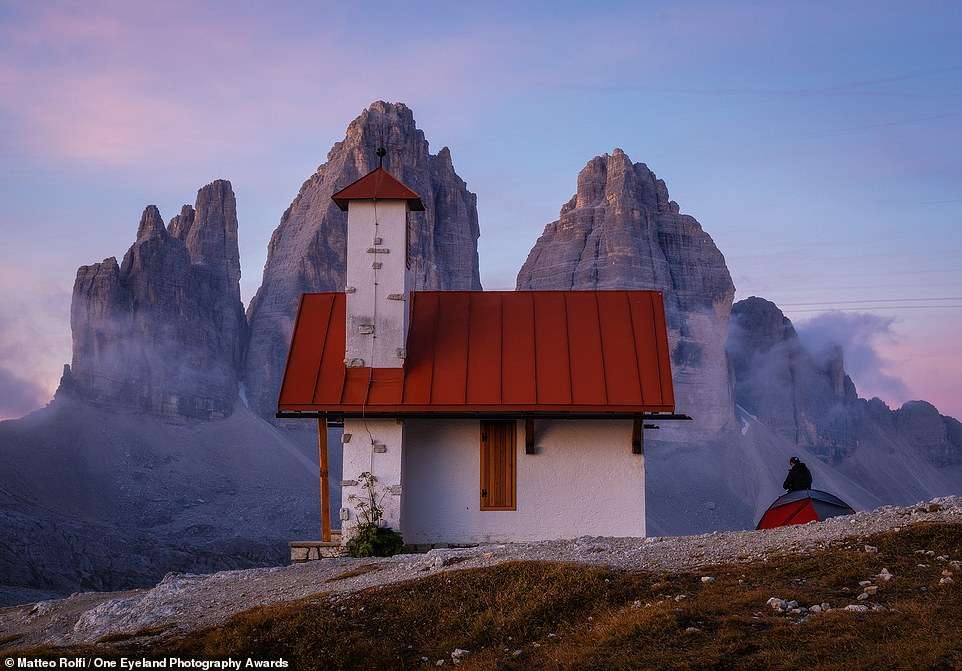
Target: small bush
pixel 369 538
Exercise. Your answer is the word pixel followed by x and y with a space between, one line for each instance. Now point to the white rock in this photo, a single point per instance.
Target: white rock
pixel 862 597
pixel 863 583
pixel 41 608
pixel 871 549
pixel 707 578
pixel 856 608
pixel 776 603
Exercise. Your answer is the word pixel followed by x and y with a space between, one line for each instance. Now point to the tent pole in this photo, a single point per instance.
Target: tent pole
pixel 325 493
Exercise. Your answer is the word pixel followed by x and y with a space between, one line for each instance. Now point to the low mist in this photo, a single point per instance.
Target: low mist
pixel 859 334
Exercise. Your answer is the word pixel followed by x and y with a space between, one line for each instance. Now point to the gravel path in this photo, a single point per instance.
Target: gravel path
pixel 182 602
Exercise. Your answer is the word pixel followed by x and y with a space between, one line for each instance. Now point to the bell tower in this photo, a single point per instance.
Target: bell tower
pixel 378 279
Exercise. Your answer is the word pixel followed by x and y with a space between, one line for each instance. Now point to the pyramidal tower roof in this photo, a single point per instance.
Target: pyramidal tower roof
pixel 378 184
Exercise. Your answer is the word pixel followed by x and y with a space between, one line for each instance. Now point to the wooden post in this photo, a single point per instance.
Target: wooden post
pixel 637 436
pixel 529 436
pixel 325 489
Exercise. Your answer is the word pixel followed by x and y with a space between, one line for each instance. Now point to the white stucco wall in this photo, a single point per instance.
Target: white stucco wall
pixel 390 316
pixel 583 481
pixel 360 456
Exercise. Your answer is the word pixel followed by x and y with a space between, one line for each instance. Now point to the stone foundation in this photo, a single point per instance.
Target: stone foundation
pixel 302 551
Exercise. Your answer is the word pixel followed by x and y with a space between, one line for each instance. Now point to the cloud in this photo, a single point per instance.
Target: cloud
pixel 34 344
pixel 19 396
pixel 859 335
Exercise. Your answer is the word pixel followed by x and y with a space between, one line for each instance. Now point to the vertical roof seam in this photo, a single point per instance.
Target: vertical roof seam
pixel 601 342
pixel 654 321
pixel 409 305
pixel 434 349
pixel 534 348
pixel 290 345
pixel 634 347
pixel 467 352
pixel 571 384
pixel 345 369
pixel 327 341
pixel 501 350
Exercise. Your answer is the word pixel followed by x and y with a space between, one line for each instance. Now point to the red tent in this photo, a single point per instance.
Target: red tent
pixel 804 505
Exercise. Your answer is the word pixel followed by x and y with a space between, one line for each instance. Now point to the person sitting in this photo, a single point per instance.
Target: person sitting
pixel 799 477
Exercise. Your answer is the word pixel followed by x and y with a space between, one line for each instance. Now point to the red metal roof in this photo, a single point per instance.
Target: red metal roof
pixel 491 352
pixel 380 184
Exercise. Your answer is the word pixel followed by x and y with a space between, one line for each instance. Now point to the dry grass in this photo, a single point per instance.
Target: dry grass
pixel 575 617
pixel 146 632
pixel 356 571
pixel 6 641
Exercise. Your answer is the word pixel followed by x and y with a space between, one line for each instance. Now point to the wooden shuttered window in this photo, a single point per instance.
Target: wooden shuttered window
pixel 498 466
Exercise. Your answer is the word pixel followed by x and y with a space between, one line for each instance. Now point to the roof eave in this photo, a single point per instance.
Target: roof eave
pixel 414 204
pixel 479 414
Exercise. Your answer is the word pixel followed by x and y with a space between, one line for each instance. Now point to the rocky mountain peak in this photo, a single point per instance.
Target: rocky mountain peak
pixel 621 231
pixel 806 397
pixel 151 224
pixel 307 250
pixel 179 226
pixel 762 322
pixel 212 237
pixel 937 437
pixel 164 331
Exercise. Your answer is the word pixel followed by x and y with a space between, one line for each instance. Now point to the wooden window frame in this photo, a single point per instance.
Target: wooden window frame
pixel 512 475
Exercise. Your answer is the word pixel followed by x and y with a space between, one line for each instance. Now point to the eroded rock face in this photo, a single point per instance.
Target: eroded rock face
pixel 165 330
pixel 937 437
pixel 621 231
pixel 807 398
pixel 307 250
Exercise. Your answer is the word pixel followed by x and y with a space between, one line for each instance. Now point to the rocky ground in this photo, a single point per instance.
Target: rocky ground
pixel 186 602
pixel 96 499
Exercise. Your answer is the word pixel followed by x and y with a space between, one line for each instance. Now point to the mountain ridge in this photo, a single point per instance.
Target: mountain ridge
pixel 154 404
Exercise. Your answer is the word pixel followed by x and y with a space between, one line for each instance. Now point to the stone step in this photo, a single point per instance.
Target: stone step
pixel 302 551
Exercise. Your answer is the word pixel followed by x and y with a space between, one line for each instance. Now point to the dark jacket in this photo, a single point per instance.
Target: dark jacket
pixel 799 477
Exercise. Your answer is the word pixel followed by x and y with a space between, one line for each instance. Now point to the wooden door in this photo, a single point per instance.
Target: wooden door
pixel 498 466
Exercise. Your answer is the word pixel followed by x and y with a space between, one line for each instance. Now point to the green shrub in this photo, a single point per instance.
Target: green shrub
pixel 369 538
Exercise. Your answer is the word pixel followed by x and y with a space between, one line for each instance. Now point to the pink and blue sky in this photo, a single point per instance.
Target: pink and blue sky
pixel 819 143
